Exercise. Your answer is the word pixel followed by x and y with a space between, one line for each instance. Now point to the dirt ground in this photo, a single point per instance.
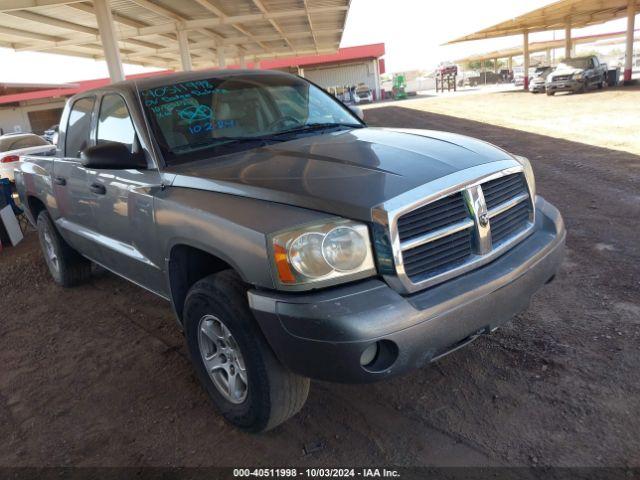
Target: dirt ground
pixel 607 118
pixel 98 375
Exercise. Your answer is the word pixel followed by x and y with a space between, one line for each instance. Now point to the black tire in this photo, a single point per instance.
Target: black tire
pixel 70 268
pixel 273 393
pixel 550 93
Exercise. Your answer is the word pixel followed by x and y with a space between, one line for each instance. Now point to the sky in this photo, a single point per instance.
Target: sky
pixel 413 32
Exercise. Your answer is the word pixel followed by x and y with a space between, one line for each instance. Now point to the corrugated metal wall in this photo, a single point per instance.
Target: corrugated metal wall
pixel 341 75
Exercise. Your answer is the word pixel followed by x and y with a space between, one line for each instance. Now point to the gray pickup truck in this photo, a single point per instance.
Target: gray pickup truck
pixel 292 241
pixel 577 75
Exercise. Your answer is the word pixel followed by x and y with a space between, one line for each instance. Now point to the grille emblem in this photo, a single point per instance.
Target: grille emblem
pixel 483 219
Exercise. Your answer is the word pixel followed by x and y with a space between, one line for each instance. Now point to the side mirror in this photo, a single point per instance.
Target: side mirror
pixel 357 111
pixel 112 156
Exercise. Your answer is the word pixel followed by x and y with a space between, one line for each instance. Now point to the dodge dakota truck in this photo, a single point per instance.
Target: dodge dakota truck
pixel 577 75
pixel 292 240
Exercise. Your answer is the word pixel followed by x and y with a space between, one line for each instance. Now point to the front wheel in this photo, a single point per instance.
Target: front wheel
pixel 67 267
pixel 232 359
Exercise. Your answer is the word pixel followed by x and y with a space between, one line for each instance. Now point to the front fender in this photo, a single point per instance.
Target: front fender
pixel 230 227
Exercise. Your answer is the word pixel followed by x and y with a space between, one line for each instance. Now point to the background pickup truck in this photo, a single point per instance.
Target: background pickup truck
pixel 577 75
pixel 292 241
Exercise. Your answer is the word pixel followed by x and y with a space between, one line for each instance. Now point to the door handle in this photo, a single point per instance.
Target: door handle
pixel 60 181
pixel 98 188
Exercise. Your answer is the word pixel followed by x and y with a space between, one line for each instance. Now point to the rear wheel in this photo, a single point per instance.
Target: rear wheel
pixel 67 267
pixel 550 93
pixel 232 359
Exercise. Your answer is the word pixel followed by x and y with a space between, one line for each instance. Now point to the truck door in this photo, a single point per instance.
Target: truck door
pixel 122 203
pixel 75 219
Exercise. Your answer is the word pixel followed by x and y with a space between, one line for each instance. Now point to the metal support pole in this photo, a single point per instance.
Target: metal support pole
pixel 222 59
pixel 108 40
pixel 510 64
pixel 495 65
pixel 376 72
pixel 567 41
pixel 525 48
pixel 548 56
pixel 185 55
pixel 628 59
pixel 243 61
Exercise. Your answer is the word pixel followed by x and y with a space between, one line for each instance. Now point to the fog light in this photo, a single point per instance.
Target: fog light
pixel 369 354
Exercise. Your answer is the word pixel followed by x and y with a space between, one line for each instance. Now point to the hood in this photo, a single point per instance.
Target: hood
pixel 344 173
pixel 566 71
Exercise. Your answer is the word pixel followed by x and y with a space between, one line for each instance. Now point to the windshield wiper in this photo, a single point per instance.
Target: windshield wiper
pixel 309 127
pixel 225 141
pixel 262 139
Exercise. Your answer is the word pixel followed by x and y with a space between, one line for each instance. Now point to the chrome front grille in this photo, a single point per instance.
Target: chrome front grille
pixel 438 256
pixel 432 217
pixel 465 227
pixel 509 222
pixel 499 190
pixel 562 77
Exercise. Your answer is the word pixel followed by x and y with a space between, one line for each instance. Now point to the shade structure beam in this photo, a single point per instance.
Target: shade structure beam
pixel 628 57
pixel 109 40
pixel 525 50
pixel 185 54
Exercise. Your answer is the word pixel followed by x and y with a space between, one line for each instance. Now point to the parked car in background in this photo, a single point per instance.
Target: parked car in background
pixel 13 145
pixel 538 79
pixel 51 134
pixel 577 75
pixel 362 94
pixel 292 240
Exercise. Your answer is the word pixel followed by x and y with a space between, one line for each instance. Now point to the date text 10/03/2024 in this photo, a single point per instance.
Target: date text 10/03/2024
pixel 316 473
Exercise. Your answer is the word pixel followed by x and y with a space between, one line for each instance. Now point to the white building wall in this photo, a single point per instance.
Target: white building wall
pixel 345 74
pixel 14 119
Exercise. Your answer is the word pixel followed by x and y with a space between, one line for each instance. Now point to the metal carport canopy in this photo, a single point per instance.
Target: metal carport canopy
pixel 564 14
pixel 170 34
pixel 542 46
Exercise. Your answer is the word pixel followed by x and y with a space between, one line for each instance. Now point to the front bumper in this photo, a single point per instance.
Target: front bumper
pixel 564 86
pixel 537 87
pixel 323 334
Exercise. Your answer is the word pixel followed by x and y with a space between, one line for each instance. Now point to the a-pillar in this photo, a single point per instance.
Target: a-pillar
pixel 109 40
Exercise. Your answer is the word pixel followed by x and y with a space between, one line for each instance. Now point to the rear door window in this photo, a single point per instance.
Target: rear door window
pixel 79 127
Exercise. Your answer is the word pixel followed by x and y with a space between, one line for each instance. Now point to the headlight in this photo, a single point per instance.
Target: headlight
pixel 528 173
pixel 577 76
pixel 322 254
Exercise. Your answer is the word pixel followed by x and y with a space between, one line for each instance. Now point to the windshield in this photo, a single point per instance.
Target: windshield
pixel 200 118
pixel 582 63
